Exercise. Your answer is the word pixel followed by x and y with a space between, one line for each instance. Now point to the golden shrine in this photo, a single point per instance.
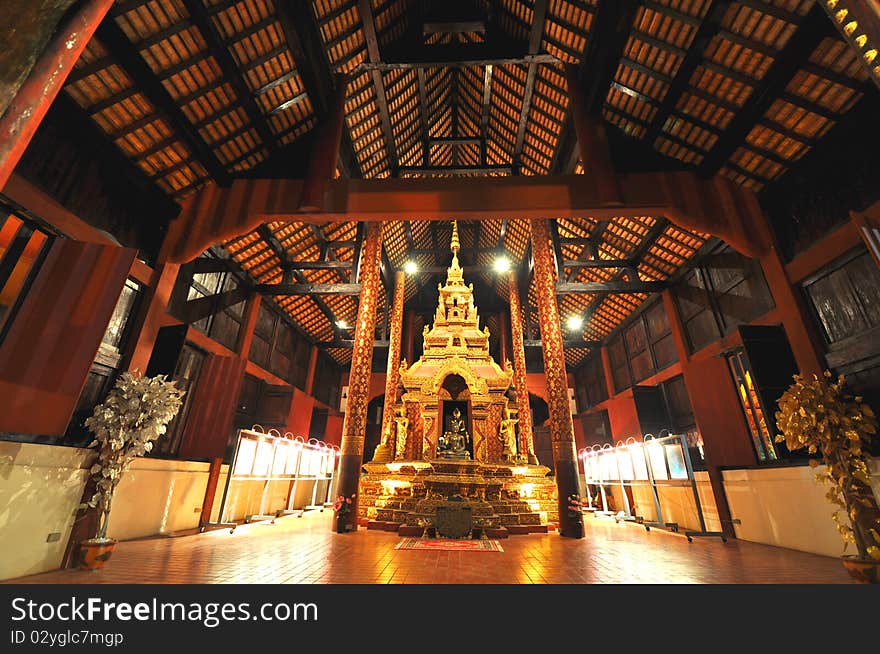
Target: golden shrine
pixel 454 431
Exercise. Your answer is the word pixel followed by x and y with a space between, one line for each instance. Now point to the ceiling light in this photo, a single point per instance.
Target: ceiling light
pixel 410 267
pixel 502 264
pixel 342 324
pixel 574 323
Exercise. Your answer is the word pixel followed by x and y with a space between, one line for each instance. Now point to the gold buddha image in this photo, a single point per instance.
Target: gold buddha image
pixel 455 439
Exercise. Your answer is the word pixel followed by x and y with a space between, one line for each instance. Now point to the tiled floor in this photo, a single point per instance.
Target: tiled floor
pixel 303 550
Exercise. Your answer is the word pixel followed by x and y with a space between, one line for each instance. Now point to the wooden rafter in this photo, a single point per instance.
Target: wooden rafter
pixel 708 28
pixel 231 71
pixel 812 30
pixel 116 42
pixel 369 27
pixel 611 28
pixel 304 39
pixel 539 19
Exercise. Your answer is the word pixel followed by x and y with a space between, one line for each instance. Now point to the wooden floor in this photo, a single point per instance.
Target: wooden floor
pixel 303 550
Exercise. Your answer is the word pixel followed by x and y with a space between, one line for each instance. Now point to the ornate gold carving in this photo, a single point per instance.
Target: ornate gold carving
pixel 354 426
pixel 392 377
pixel 526 435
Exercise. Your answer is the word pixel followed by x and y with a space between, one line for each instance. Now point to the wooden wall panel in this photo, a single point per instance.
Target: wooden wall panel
pixel 209 423
pixel 47 353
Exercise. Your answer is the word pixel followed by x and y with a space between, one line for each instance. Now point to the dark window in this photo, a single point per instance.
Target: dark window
pixel 590 386
pixel 845 301
pixel 756 417
pixel 327 375
pixel 23 246
pixel 681 417
pixel 105 368
pixel 642 348
pixel 278 347
pixel 224 324
pixel 725 290
pixel 186 375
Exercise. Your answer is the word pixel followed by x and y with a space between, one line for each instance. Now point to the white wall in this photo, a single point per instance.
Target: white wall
pixel 158 496
pixel 786 507
pixel 40 490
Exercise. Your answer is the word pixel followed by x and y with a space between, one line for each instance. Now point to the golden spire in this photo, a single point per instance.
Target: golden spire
pixel 455 246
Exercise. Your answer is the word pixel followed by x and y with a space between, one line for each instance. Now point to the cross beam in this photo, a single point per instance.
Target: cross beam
pixel 564 288
pixel 717 206
pixel 308 289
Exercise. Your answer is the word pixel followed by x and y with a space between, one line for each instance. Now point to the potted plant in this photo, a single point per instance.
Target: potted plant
pixel 135 413
pixel 342 509
pixel 820 416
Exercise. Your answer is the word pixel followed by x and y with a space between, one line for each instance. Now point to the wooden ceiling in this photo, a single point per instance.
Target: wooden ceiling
pixel 200 90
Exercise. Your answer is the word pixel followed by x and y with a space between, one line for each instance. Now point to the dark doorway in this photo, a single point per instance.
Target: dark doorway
pixel 373 435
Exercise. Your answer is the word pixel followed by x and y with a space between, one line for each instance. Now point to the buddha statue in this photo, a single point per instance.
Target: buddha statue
pixel 454 442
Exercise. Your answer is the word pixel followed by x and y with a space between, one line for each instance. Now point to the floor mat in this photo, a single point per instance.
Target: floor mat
pixel 449 545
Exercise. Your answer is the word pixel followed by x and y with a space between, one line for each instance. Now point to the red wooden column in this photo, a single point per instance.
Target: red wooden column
pixel 805 342
pixel 526 435
pixel 313 366
pixel 561 426
pixel 504 336
pixel 409 333
pixel 592 143
pixel 29 107
pixel 716 412
pixel 325 151
pixel 355 425
pixel 152 316
pixel 392 374
pixel 246 333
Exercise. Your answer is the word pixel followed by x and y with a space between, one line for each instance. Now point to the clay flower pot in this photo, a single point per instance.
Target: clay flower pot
pixel 95 553
pixel 865 571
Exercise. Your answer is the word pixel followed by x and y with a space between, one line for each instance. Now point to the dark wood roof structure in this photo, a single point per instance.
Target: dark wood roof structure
pixel 198 91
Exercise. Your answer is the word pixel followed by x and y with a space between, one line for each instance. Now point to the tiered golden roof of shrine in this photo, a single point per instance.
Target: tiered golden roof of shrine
pixel 207 90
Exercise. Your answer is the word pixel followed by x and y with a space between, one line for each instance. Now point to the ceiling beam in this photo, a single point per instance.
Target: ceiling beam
pixel 600 263
pixel 539 18
pixel 815 27
pixel 709 27
pixel 308 289
pixel 611 27
pixel 114 39
pixel 455 140
pixel 453 27
pixel 485 106
pixel 307 47
pixel 346 344
pixel 426 123
pixel 565 343
pixel 460 56
pixel 219 50
pixel 611 286
pixel 455 170
pixel 369 26
pixel 288 274
pixel 320 265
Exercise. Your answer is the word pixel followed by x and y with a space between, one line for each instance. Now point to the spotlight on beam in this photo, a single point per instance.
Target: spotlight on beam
pixel 502 264
pixel 410 267
pixel 574 323
pixel 341 324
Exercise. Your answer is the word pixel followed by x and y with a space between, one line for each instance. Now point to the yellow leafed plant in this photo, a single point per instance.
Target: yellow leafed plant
pixel 819 415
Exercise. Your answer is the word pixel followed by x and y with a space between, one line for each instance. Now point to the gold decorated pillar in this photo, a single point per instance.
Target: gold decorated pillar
pixel 526 437
pixel 354 427
pixel 561 426
pixel 385 449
